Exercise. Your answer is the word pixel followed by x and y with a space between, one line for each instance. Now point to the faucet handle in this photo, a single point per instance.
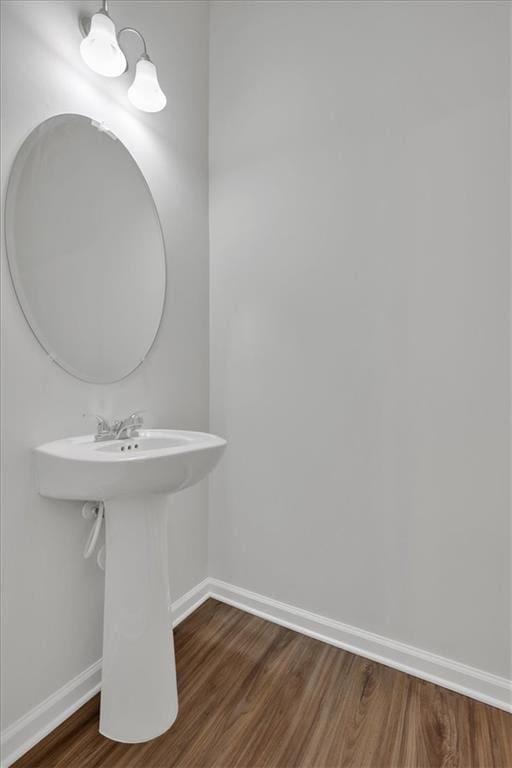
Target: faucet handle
pixel 125 428
pixel 135 422
pixel 103 425
pixel 136 418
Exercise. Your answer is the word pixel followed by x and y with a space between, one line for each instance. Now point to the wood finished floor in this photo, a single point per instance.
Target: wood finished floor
pixel 255 695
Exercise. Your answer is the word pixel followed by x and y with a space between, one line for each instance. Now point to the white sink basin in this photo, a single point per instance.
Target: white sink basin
pixel 159 461
pixel 133 477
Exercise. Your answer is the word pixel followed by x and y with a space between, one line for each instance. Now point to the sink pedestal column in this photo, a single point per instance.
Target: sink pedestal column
pixel 139 699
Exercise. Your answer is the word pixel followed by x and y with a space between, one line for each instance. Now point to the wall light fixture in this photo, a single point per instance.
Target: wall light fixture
pixel 101 51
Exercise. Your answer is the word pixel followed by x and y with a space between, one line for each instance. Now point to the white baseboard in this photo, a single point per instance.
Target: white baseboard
pixel 480 685
pixel 190 602
pixel 23 734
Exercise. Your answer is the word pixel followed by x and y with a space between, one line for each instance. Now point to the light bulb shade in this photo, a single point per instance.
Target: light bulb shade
pixel 100 49
pixel 145 92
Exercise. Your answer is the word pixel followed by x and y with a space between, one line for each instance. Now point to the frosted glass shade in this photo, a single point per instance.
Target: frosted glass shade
pixel 145 92
pixel 100 49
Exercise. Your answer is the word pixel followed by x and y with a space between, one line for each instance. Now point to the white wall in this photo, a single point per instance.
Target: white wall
pixel 359 327
pixel 359 206
pixel 52 598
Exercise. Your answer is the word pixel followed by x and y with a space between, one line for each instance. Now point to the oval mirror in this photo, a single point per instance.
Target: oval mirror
pixel 85 248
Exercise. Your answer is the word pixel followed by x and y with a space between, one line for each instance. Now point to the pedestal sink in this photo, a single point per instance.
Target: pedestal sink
pixel 133 478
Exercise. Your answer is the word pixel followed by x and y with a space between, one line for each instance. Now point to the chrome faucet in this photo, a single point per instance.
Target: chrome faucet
pixel 126 428
pixel 119 429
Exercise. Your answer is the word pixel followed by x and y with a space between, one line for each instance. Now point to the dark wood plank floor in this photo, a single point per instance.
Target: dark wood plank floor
pixel 255 695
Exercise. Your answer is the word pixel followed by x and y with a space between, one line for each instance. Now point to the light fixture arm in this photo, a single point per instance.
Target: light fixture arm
pixel 139 35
